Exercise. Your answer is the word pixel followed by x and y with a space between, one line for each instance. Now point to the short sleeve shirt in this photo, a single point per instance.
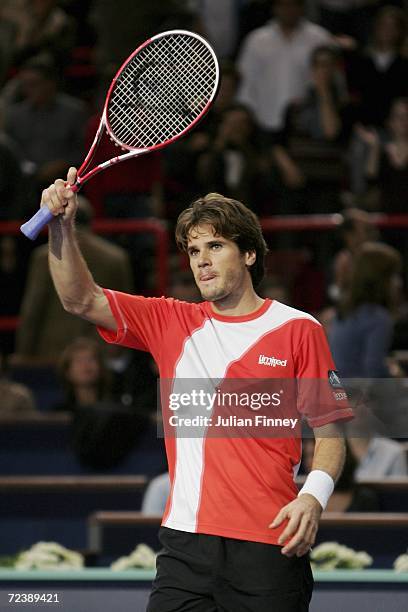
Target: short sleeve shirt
pixel 229 486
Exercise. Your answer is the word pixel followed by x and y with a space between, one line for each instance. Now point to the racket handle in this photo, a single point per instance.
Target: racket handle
pixel 42 217
pixel 33 227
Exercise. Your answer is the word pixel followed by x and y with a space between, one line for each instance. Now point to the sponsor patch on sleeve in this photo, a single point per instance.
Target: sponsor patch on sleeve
pixel 334 379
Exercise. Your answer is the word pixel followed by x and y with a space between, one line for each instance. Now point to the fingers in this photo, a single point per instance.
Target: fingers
pixel 72 176
pixel 291 528
pixel 300 532
pixel 58 197
pixel 303 539
pixel 279 518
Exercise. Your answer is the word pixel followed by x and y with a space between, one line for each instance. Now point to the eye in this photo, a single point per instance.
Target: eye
pixel 193 252
pixel 216 246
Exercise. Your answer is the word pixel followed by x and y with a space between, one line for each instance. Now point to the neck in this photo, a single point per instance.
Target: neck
pixel 238 305
pixel 86 395
pixel 288 29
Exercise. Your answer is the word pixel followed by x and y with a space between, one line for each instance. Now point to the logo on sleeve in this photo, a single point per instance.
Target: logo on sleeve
pixel 334 379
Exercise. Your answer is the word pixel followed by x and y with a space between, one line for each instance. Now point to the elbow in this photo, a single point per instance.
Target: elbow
pixel 79 309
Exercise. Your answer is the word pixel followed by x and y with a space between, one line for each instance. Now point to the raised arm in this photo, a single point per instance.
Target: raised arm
pixel 76 288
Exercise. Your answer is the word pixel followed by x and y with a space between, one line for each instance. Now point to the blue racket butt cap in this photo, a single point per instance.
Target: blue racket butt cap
pixel 33 227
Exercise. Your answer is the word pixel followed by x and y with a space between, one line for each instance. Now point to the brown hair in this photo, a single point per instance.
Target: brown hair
pixel 230 219
pixel 373 267
pixel 399 17
pixel 65 360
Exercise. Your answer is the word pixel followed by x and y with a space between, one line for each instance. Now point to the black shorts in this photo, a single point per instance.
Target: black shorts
pixel 206 573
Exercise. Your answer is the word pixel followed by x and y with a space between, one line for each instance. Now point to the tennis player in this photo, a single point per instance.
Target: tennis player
pixel 236 532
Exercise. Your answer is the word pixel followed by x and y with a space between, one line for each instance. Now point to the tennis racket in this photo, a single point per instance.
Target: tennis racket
pixel 159 94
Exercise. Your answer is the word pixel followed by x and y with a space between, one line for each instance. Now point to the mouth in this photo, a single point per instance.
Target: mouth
pixel 205 278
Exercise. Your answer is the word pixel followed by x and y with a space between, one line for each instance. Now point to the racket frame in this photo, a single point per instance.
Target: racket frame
pixel 105 126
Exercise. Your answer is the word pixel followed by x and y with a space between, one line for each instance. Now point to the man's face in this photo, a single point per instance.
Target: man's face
pixel 36 88
pixel 288 12
pixel 219 268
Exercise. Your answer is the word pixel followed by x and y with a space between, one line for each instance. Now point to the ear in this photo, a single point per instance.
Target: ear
pixel 250 258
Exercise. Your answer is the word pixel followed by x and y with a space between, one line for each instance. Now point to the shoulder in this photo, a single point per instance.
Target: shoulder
pixel 260 35
pixel 288 314
pixel 375 314
pixel 315 31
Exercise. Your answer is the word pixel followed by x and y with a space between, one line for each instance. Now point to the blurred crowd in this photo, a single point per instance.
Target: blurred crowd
pixel 311 117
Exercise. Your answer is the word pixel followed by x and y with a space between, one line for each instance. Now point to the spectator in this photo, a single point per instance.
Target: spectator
pixel 378 458
pixel 45 328
pixel 274 63
pixel 220 22
pixel 379 73
pixel 314 130
pixel 355 229
pixel 361 332
pixel 104 431
pixel 231 164
pixel 387 164
pixel 44 27
pixel 348 495
pixel 377 76
pixel 84 374
pixel 47 125
pixel 155 497
pixel 318 116
pixel 16 399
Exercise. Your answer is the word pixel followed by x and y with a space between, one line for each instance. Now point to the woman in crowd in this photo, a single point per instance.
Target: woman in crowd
pixel 361 332
pixel 104 431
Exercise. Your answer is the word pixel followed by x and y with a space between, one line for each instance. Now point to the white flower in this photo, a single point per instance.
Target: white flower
pixel 332 555
pixel 142 557
pixel 49 555
pixel 401 563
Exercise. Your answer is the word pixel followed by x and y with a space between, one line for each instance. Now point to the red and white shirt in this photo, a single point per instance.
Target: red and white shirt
pixel 228 486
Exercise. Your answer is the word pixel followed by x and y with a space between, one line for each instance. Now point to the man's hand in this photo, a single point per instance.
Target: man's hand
pixel 60 199
pixel 303 515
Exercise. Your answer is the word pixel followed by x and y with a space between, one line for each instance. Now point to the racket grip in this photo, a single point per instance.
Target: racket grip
pixel 33 227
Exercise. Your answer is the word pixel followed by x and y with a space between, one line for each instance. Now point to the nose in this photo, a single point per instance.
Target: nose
pixel 203 259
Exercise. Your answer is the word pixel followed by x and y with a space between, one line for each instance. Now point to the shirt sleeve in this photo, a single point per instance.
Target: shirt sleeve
pixel 141 322
pixel 321 397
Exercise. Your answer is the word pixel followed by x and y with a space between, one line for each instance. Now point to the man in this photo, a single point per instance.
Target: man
pixel 46 124
pixel 274 63
pixel 235 534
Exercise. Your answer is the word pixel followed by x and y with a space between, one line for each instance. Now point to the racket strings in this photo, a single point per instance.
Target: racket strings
pixel 162 91
pixel 168 106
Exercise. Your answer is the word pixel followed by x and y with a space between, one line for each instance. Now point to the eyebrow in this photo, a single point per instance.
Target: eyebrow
pixel 208 243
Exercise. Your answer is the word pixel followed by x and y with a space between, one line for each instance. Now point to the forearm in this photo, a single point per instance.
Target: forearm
pixel 72 279
pixel 329 456
pixel 327 465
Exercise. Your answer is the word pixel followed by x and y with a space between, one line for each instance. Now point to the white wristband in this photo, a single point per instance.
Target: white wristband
pixel 320 485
